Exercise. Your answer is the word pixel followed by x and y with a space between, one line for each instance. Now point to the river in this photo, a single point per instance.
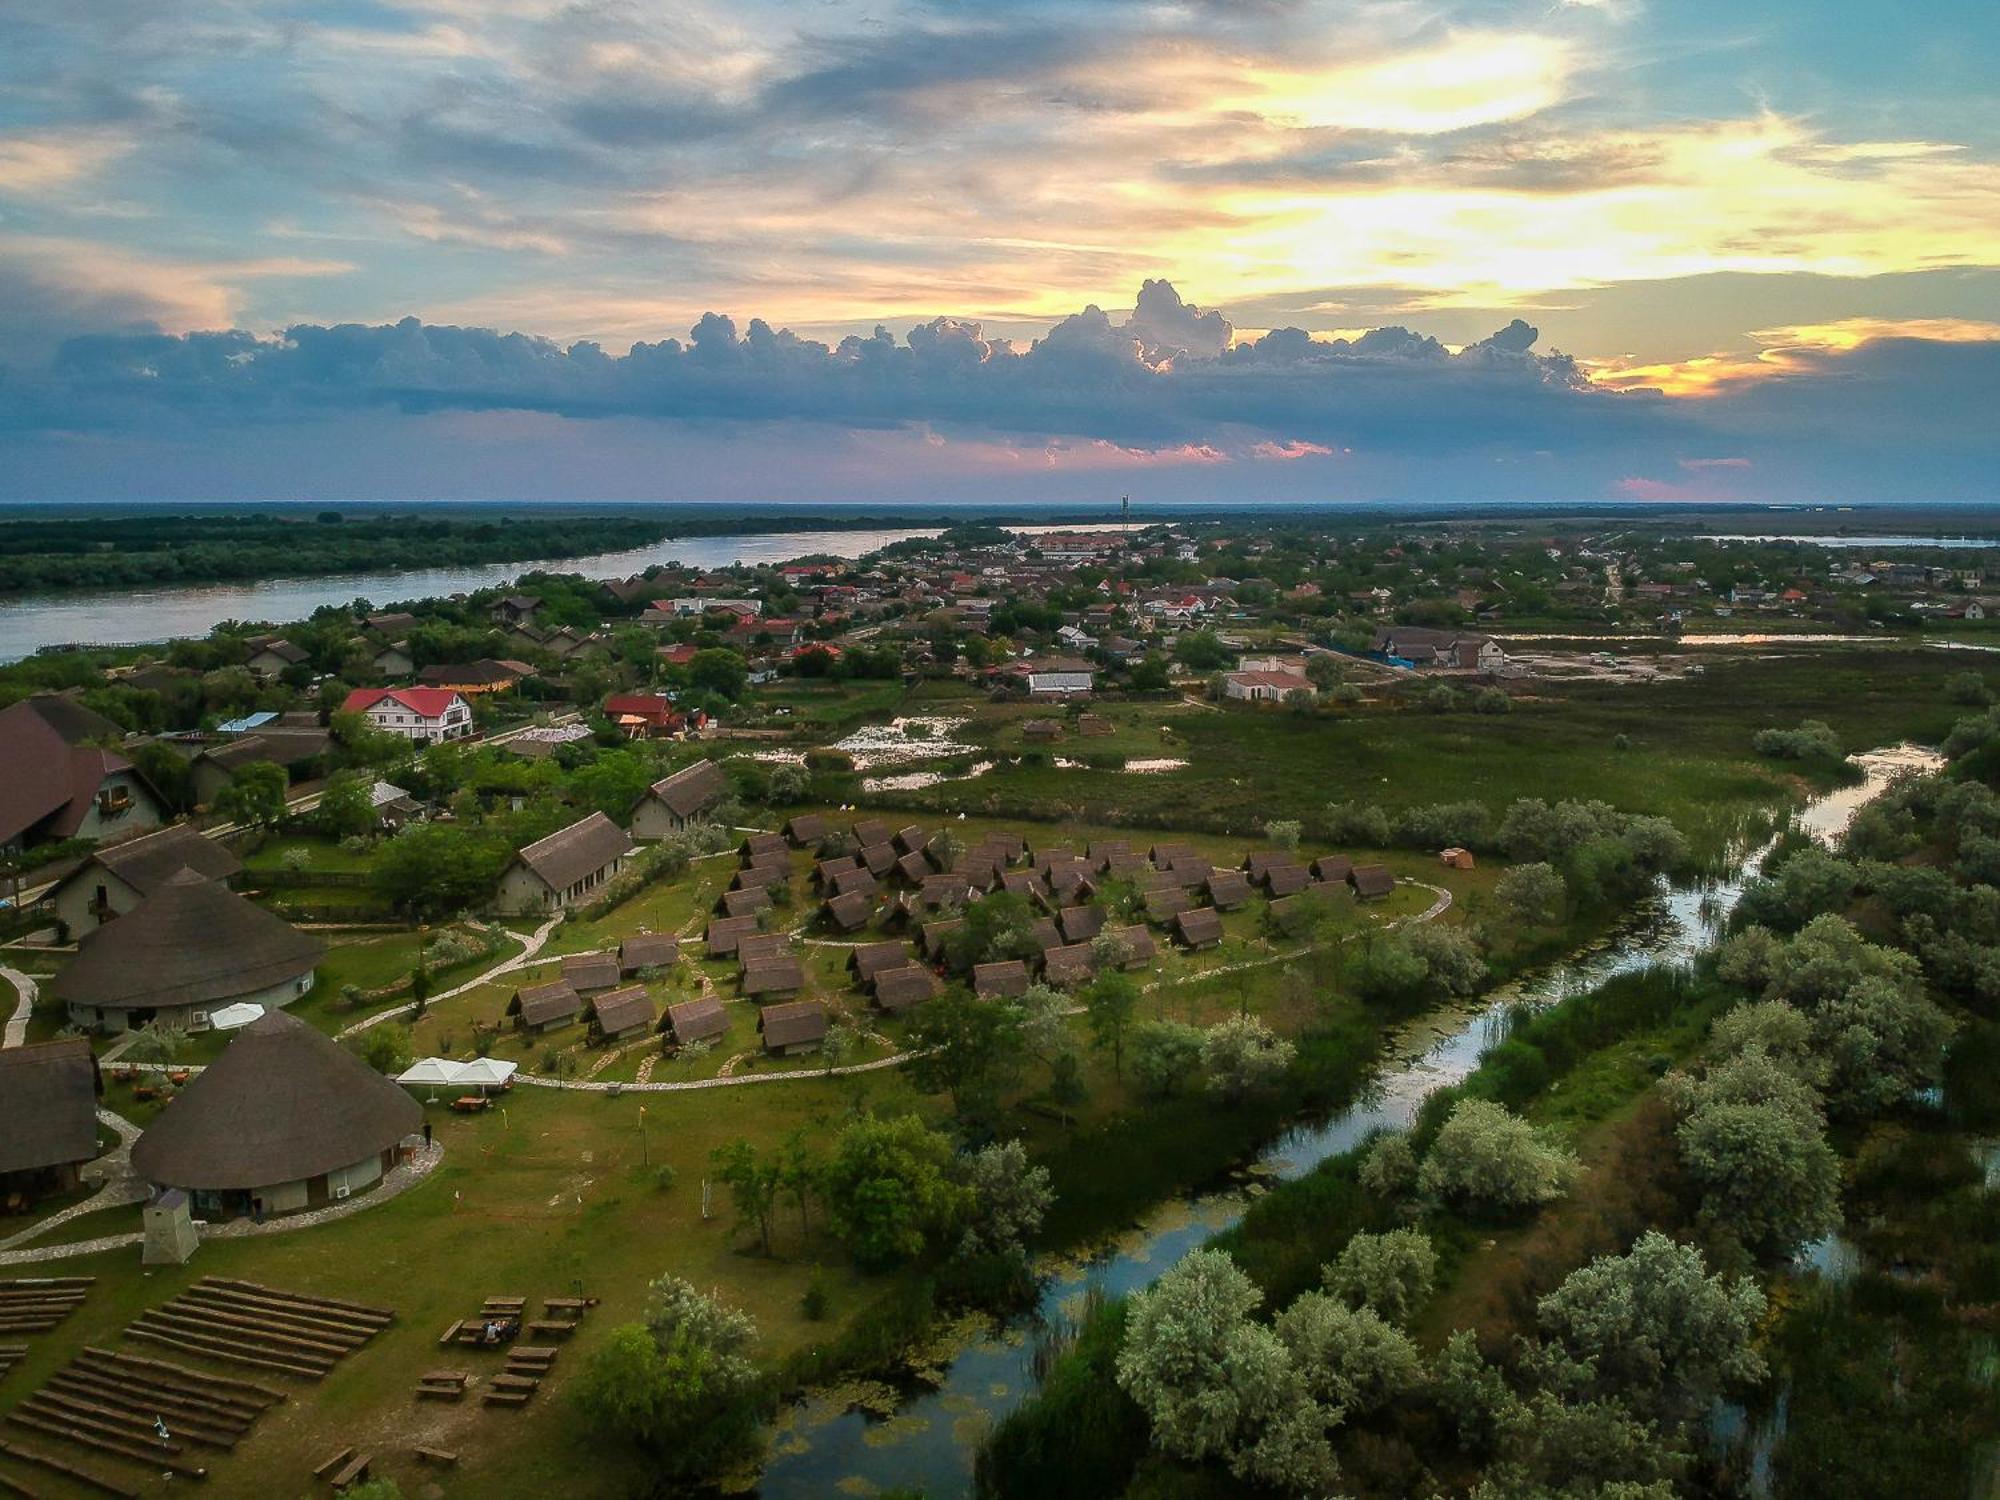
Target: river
pixel 825 1447
pixel 132 616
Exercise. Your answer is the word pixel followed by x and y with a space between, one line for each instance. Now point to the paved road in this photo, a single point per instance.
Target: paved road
pixel 16 1031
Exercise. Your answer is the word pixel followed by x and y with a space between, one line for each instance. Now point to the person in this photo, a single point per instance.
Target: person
pixel 427 1135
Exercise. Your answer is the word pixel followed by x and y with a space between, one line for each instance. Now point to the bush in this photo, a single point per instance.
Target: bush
pixel 1486 1159
pixel 1812 740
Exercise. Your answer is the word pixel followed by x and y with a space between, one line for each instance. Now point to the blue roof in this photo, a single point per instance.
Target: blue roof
pixel 247 723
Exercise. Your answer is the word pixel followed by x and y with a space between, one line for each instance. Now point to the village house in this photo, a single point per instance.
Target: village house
pixel 515 609
pixel 57 782
pixel 48 1118
pixel 1264 686
pixel 644 716
pixel 794 1027
pixel 117 877
pixel 473 678
pixel 272 659
pixel 673 802
pixel 188 948
pixel 292 749
pixel 285 1120
pixel 542 1007
pixel 570 865
pixel 702 1020
pixel 394 660
pixel 1418 646
pixel 422 715
pixel 619 1015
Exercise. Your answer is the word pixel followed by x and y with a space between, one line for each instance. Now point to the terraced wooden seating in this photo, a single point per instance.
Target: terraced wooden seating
pixel 37 1304
pixel 243 1322
pixel 11 1355
pixel 85 1477
pixel 9 1485
pixel 104 1438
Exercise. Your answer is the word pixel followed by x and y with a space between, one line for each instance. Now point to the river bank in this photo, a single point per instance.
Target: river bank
pixel 826 1444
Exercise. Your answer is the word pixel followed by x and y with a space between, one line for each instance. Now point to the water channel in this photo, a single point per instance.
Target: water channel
pixel 825 1446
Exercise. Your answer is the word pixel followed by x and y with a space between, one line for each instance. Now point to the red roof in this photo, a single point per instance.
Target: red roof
pixel 648 706
pixel 429 702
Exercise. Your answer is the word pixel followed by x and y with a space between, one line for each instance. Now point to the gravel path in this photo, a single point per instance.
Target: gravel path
pixel 529 949
pixel 16 1031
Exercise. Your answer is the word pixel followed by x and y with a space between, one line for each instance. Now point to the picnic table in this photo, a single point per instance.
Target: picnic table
pixel 470 1104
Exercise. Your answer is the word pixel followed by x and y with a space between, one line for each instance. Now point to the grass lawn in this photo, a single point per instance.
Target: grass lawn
pixel 552 1195
pixel 321 854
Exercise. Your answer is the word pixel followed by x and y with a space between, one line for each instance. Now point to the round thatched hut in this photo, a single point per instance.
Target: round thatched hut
pixel 286 1120
pixel 187 949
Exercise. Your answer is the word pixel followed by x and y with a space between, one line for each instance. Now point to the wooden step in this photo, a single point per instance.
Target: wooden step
pixel 68 1470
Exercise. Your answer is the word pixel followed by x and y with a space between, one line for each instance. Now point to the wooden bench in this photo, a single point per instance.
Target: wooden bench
pixel 353 1471
pixel 451 1333
pixel 514 1381
pixel 504 1305
pixel 551 1328
pixel 471 1104
pixel 506 1398
pixel 577 1305
pixel 333 1462
pixel 68 1470
pixel 14 1486
pixel 443 1457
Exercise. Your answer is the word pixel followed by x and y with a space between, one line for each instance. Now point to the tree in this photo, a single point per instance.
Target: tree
pixel 1351 1359
pixel 1657 1330
pixel 679 1385
pixel 157 1043
pixel 753 1182
pixel 971 1049
pixel 1766 1173
pixel 1215 1384
pixel 433 869
pixel 1489 1160
pixel 385 1047
pixel 717 671
pixel 1284 832
pixel 1807 883
pixel 1390 1273
pixel 887 1188
pixel 1164 1056
pixel 799 1170
pixel 1241 1056
pixel 1007 1197
pixel 1325 670
pixel 167 772
pixel 255 795
pixel 1109 1001
pixel 1389 1168
pixel 346 807
pixel 1532 895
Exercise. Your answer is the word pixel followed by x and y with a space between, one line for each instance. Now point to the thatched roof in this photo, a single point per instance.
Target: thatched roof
pixel 792 1023
pixel 190 942
pixel 899 989
pixel 590 971
pixel 1370 881
pixel 808 828
pixel 755 945
pixel 850 911
pixel 741 903
pixel 1227 888
pixel 48 1105
pixel 651 950
pixel 541 1004
pixel 871 831
pixel 871 959
pixel 1071 964
pixel 1004 979
pixel 879 858
pixel 621 1010
pixel 1200 927
pixel 1286 879
pixel 148 861
pixel 1138 945
pixel 569 854
pixel 45 768
pixel 697 1020
pixel 691 790
pixel 847 882
pixel 724 933
pixel 282 1103
pixel 1331 867
pixel 780 974
pixel 1080 924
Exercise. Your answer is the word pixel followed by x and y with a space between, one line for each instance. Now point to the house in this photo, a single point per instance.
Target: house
pixel 272 659
pixel 1455 858
pixel 1163 906
pixel 394 660
pixel 1332 869
pixel 391 625
pixel 585 972
pixel 676 801
pixel 568 866
pixel 56 784
pixel 117 877
pixel 294 751
pixel 702 1020
pixel 1228 889
pixel 934 935
pixel 778 974
pixel 1135 944
pixel 850 912
pixel 896 990
pixel 650 950
pixel 48 1117
pixel 1264 687
pixel 726 933
pixel 541 1006
pixel 1371 882
pixel 422 715
pixel 473 678
pixel 643 716
pixel 617 1015
pixel 1079 924
pixel 871 959
pixel 792 1028
pixel 1199 927
pixel 1418 646
pixel 1042 729
pixel 285 1120
pixel 188 948
pixel 1070 964
pixel 1286 878
pixel 515 609
pixel 744 900
pixel 1060 677
pixel 1004 979
pixel 807 828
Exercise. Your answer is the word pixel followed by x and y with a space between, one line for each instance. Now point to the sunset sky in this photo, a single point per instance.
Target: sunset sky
pixel 1012 250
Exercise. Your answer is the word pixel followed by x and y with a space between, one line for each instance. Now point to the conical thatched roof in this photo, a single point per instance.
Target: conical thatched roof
pixel 283 1103
pixel 192 941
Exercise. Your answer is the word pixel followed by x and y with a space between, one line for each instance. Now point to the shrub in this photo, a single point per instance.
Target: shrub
pixel 1486 1159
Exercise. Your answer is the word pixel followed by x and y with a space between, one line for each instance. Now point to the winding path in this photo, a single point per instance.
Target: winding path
pixel 16 1032
pixel 530 946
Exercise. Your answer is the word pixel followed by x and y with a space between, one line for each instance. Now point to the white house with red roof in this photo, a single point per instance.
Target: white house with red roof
pixel 426 715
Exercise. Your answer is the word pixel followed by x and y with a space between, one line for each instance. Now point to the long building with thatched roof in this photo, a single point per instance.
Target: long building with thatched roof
pixel 187 949
pixel 286 1120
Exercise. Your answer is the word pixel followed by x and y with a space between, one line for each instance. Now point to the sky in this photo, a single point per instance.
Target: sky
pixel 1012 250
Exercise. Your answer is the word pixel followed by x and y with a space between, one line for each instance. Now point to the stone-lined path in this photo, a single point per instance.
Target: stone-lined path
pixel 16 1031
